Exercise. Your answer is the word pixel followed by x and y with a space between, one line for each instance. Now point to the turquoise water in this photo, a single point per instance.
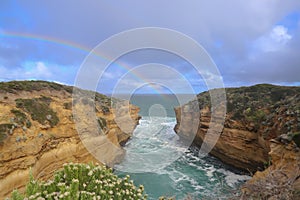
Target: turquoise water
pixel 156 158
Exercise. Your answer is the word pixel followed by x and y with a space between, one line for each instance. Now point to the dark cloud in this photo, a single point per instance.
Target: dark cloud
pixel 226 29
pixel 280 65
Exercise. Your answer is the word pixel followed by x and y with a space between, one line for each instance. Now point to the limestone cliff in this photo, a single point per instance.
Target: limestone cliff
pixel 281 180
pixel 255 115
pixel 37 131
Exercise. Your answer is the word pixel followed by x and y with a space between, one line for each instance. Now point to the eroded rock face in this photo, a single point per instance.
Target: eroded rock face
pixel 254 116
pixel 281 180
pixel 37 131
pixel 240 148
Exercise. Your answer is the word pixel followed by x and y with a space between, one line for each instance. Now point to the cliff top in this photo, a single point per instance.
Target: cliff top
pixel 269 109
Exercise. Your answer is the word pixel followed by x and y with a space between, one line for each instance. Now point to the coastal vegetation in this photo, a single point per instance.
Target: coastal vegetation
pixel 260 107
pixel 34 118
pixel 39 109
pixel 82 181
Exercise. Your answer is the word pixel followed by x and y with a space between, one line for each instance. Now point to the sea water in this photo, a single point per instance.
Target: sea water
pixel 156 159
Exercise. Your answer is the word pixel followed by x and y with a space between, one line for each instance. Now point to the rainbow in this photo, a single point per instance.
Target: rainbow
pixel 73 45
pixel 65 43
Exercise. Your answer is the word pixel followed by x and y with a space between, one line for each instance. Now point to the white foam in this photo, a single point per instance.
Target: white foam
pixel 232 178
pixel 153 147
pixel 210 171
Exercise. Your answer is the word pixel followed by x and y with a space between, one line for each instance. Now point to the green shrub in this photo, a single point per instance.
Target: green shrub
pixel 296 138
pixel 20 118
pixel 4 130
pixel 102 122
pixel 68 105
pixel 105 109
pixel 39 109
pixel 82 181
pixel 3 136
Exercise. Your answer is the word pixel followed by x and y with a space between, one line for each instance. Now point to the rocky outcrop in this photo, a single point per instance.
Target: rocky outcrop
pixel 281 180
pixel 254 116
pixel 38 133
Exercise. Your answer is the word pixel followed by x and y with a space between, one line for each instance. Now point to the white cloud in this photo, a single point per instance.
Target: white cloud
pixel 37 70
pixel 274 40
pixel 280 34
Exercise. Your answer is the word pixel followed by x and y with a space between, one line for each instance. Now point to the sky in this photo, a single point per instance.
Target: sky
pixel 250 42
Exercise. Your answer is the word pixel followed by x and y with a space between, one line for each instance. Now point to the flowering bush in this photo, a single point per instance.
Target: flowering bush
pixel 82 181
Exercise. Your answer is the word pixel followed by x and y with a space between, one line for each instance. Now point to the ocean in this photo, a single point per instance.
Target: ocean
pixel 157 159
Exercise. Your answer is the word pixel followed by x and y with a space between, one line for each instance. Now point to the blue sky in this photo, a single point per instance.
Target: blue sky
pixel 251 42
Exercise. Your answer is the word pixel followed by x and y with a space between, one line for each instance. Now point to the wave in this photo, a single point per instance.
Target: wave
pixel 155 151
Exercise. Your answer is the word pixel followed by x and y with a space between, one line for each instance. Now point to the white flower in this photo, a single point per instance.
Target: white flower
pixel 90 173
pixel 75 180
pixel 60 184
pixel 102 191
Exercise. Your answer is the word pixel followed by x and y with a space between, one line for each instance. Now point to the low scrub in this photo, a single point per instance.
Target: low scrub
pixel 82 181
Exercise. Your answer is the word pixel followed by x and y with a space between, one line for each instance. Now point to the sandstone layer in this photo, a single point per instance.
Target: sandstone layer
pixel 281 180
pixel 254 116
pixel 38 132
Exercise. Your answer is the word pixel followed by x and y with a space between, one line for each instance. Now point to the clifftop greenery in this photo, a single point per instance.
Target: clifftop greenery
pixel 268 109
pixel 18 86
pixel 15 86
pixel 39 109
